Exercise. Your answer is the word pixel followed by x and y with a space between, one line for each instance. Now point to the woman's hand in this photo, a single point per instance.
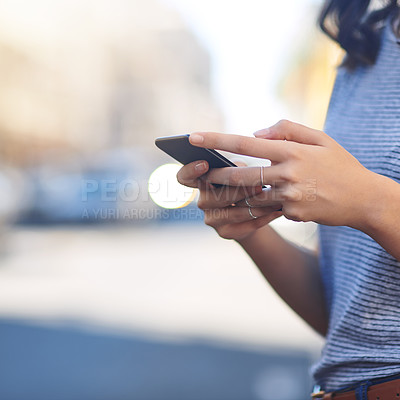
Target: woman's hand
pixel 220 211
pixel 313 177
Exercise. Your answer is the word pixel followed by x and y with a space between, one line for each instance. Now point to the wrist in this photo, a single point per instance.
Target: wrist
pixel 259 236
pixel 244 241
pixel 379 196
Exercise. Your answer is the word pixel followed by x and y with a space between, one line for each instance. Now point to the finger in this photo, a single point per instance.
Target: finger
pixel 245 176
pixel 238 163
pixel 234 215
pixel 249 146
pixel 268 197
pixel 291 131
pixel 234 231
pixel 212 198
pixel 189 174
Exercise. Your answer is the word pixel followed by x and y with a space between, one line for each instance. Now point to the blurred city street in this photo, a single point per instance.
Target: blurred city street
pixel 153 312
pixel 173 279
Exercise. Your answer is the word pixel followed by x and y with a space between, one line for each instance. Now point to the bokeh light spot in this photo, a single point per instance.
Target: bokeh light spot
pixel 166 191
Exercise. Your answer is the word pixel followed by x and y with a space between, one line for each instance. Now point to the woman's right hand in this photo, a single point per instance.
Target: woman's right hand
pixel 231 221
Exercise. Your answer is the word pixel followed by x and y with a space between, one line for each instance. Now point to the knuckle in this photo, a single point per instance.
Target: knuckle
pixel 291 194
pixel 201 204
pixel 291 217
pixel 294 214
pixel 208 219
pixel 289 173
pixel 283 124
pixel 242 145
pixel 292 151
pixel 225 232
pixel 286 195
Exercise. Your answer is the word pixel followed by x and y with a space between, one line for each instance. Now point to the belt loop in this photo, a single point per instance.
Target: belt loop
pixel 361 391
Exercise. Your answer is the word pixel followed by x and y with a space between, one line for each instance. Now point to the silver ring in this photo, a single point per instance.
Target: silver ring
pixel 251 214
pixel 246 200
pixel 262 175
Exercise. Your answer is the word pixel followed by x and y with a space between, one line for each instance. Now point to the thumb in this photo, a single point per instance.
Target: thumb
pixel 287 130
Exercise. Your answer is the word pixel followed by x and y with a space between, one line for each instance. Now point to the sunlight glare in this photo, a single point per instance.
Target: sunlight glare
pixel 166 191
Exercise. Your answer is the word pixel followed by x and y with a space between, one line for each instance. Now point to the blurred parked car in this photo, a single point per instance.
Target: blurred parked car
pixel 112 186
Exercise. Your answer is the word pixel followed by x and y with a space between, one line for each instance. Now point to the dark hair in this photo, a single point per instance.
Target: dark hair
pixel 356 27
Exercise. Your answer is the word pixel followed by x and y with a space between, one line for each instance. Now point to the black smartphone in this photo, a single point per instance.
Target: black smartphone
pixel 183 151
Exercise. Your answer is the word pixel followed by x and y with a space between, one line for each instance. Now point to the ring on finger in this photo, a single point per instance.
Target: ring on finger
pixel 246 200
pixel 251 214
pixel 262 175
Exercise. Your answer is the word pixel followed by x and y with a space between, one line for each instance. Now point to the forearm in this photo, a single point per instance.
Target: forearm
pixel 381 214
pixel 292 272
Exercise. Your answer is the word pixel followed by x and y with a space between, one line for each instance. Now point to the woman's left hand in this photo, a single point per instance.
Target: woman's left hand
pixel 314 177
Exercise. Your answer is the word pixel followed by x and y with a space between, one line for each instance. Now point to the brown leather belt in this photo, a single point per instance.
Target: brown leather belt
pixel 380 391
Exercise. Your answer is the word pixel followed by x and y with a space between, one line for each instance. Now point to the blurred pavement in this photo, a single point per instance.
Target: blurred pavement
pixel 157 312
pixel 174 280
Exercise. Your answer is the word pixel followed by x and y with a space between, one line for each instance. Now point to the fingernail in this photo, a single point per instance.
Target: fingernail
pixel 196 138
pixel 262 133
pixel 200 167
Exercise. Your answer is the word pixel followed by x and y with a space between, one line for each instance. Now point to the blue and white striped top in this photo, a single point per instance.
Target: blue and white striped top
pixel 361 280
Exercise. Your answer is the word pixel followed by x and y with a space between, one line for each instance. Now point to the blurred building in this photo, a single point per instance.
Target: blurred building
pixel 308 80
pixel 88 75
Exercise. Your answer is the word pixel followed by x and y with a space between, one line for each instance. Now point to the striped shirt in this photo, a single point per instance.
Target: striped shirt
pixel 361 280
